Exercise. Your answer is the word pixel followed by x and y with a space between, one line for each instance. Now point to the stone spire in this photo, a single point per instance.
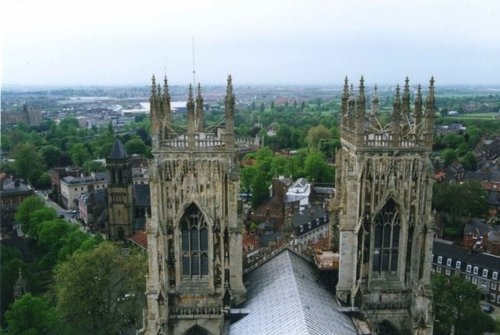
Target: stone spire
pixel 374 112
pixel 429 113
pixel 199 111
pixel 153 86
pixel 344 105
pixel 361 110
pixel 406 101
pixel 374 102
pixel 351 110
pixel 190 117
pixel 429 108
pixel 20 286
pixel 417 113
pixel 167 112
pixel 229 104
pixel 361 103
pixel 155 127
pixel 396 116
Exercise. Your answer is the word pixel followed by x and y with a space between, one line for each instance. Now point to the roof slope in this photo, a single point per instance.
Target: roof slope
pixel 465 256
pixel 118 151
pixel 284 297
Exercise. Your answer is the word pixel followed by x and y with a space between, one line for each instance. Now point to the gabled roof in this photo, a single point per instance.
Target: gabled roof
pixel 466 256
pixel 284 297
pixel 118 151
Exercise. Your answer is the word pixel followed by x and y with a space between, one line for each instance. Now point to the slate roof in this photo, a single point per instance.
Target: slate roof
pixel 307 215
pixel 284 297
pixel 142 198
pixel 465 256
pixel 12 188
pixel 118 151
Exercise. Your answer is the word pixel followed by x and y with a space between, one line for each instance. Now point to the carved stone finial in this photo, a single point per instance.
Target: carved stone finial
pixel 153 85
pixel 199 113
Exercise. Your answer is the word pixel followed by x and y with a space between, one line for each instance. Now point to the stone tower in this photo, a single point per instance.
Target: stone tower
pixel 383 210
pixel 120 196
pixel 194 236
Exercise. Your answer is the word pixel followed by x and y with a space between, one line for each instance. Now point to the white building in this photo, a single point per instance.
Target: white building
pixel 72 188
pixel 299 191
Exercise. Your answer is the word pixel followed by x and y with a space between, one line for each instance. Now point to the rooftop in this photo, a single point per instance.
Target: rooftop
pixel 284 297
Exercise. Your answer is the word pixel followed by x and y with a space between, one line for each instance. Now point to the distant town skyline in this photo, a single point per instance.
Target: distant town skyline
pixel 94 42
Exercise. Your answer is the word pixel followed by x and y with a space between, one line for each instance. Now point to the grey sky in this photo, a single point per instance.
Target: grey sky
pixel 57 42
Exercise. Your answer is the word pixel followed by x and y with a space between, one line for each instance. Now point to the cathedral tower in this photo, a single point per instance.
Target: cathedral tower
pixel 120 196
pixel 194 236
pixel 383 210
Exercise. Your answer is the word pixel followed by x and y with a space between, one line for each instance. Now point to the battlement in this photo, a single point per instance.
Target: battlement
pixel 407 128
pixel 163 131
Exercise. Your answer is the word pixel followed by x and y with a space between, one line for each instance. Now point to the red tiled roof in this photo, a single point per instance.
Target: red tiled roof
pixel 140 238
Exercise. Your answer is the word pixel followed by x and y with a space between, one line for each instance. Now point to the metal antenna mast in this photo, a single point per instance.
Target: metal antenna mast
pixel 194 72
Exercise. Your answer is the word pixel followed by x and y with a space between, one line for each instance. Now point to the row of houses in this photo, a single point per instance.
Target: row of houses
pixel 479 268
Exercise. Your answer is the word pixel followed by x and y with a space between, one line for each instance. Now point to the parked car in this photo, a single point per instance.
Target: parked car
pixel 488 308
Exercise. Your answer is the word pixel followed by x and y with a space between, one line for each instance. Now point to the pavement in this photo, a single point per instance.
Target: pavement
pixel 71 218
pixel 496 311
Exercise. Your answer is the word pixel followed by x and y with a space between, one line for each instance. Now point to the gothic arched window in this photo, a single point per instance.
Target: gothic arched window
pixel 194 243
pixel 386 239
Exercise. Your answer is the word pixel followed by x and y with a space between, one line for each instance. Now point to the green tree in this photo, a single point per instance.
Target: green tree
pixel 316 169
pixel 93 166
pixel 469 161
pixel 279 166
pixel 466 199
pixel 79 153
pixel 31 315
pixel 50 238
pixel 247 178
pixel 38 217
pixel 456 304
pixel 27 207
pixel 449 156
pixel 453 140
pixel 136 146
pixel 316 134
pixel 51 155
pixel 101 291
pixel 284 136
pixel 10 264
pixel 260 189
pixel 43 182
pixel 28 162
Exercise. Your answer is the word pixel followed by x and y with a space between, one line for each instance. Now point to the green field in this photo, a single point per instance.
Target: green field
pixel 482 116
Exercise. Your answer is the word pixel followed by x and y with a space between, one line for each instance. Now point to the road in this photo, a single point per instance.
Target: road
pixel 60 211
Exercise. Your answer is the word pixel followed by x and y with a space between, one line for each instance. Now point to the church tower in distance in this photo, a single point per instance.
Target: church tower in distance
pixel 120 202
pixel 383 210
pixel 194 236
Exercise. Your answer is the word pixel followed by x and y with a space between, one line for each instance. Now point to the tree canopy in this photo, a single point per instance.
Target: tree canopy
pixel 31 315
pixel 101 291
pixel 456 304
pixel 27 207
pixel 466 199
